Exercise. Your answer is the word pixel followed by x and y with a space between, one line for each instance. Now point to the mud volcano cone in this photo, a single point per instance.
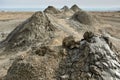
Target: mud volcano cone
pixel 65 8
pixel 37 29
pixel 75 8
pixel 83 17
pixel 93 60
pixel 52 10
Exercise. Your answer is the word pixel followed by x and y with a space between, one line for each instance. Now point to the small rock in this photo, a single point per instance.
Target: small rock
pixel 87 35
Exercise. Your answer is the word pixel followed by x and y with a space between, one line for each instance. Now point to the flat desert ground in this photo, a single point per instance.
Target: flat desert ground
pixel 9 20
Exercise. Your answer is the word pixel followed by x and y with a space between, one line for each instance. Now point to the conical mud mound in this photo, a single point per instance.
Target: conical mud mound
pixel 83 17
pixel 36 29
pixel 52 10
pixel 65 9
pixel 75 8
pixel 92 58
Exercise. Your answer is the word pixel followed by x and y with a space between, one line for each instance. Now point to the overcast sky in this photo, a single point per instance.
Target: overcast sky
pixel 58 3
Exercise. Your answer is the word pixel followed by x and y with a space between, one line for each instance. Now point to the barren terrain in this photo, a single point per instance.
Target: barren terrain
pixel 53 28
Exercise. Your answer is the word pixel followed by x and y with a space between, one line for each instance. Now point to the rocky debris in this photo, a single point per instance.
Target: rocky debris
pixel 75 8
pixel 65 9
pixel 38 29
pixel 51 10
pixel 69 42
pixel 88 35
pixel 83 17
pixel 92 60
pixel 41 51
pixel 3 35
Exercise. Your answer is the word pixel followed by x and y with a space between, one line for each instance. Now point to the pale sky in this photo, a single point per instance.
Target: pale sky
pixel 58 3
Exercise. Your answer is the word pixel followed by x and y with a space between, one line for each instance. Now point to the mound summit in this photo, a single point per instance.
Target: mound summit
pixel 52 10
pixel 65 8
pixel 75 8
